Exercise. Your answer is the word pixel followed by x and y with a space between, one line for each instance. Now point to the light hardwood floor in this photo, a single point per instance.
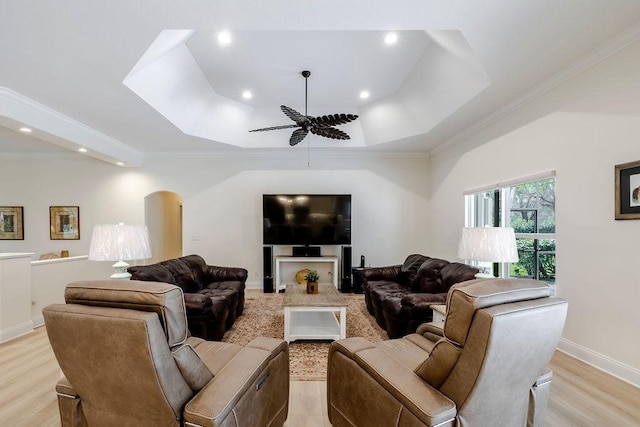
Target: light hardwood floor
pixel 580 394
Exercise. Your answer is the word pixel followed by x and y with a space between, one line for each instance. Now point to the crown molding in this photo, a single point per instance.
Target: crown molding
pixel 51 126
pixel 608 49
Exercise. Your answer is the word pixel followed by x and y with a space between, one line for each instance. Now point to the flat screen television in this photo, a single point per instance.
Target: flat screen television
pixel 306 219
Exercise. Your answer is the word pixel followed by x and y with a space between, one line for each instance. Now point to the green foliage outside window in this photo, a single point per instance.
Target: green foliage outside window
pixel 533 212
pixel 526 266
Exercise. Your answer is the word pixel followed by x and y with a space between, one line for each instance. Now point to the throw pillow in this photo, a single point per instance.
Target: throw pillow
pixel 410 268
pixel 428 278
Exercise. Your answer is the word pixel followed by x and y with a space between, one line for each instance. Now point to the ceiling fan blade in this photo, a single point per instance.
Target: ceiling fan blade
pixel 297 136
pixel 321 125
pixel 294 115
pixel 275 128
pixel 329 132
pixel 333 119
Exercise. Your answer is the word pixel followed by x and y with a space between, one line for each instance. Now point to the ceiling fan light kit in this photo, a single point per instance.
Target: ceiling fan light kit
pixel 321 125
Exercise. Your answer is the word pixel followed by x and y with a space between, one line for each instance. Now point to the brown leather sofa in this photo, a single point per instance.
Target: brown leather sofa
pixel 128 360
pixel 487 367
pixel 214 296
pixel 399 296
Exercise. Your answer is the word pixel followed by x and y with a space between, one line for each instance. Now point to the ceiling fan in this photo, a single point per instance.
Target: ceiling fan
pixel 321 125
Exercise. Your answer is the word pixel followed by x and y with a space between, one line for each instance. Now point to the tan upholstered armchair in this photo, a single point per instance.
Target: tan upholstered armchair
pixel 488 369
pixel 127 359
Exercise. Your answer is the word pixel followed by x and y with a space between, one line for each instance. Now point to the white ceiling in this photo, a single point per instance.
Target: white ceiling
pixel 457 65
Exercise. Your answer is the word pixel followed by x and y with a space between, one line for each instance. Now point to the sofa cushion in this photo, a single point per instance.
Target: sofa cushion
pixel 456 272
pixel 198 267
pixel 428 278
pixel 410 268
pixel 182 275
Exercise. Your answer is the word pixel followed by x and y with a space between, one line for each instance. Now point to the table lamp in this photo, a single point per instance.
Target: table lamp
pixel 487 244
pixel 119 242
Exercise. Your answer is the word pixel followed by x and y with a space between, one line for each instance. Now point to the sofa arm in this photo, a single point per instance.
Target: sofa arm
pixel 421 302
pixel 197 302
pixel 221 274
pixel 381 273
pixel 416 308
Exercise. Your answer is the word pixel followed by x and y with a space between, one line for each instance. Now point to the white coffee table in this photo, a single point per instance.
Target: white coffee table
pixel 314 316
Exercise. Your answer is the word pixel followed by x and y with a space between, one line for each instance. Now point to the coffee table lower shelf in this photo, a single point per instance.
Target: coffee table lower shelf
pixel 314 323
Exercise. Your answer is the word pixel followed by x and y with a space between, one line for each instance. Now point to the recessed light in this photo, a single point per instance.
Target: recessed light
pixel 25 129
pixel 82 150
pixel 391 38
pixel 247 94
pixel 224 38
pixel 120 164
pixel 364 94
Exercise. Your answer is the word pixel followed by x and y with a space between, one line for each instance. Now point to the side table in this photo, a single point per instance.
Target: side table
pixel 439 312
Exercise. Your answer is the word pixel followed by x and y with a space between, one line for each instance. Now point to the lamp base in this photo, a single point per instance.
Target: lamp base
pixel 121 271
pixel 484 273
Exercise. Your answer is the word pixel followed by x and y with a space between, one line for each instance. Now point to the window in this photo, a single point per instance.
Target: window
pixel 529 207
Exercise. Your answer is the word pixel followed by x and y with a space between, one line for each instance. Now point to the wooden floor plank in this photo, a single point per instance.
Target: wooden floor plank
pixel 580 394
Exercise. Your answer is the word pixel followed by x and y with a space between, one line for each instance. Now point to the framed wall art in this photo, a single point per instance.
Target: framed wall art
pixel 627 187
pixel 11 223
pixel 64 222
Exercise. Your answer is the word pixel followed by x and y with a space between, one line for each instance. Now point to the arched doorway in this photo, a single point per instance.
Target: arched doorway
pixel 163 216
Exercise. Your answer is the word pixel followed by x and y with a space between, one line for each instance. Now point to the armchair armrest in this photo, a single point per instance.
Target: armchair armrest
pixel 252 388
pixel 69 404
pixel 221 274
pixel 363 364
pixel 381 273
pixel 431 331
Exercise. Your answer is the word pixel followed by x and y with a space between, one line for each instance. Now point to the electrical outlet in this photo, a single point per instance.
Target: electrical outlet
pixel 255 273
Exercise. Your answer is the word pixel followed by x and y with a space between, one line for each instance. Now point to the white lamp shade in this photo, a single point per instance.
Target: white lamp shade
pixel 488 244
pixel 118 242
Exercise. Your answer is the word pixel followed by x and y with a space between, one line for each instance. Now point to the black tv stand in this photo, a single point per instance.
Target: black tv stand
pixel 301 251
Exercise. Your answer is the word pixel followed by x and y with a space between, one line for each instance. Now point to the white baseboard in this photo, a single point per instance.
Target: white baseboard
pixel 619 370
pixel 253 285
pixel 38 321
pixel 16 331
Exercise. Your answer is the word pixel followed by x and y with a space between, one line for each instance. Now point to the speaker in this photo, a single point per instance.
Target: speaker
pixel 267 269
pixel 345 257
pixel 305 251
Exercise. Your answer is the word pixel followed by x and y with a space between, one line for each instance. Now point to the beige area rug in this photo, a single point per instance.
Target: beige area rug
pixel 264 316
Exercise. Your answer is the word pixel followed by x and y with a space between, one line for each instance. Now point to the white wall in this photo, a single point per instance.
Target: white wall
pixel 50 277
pixel 222 200
pixel 581 129
pixel 105 194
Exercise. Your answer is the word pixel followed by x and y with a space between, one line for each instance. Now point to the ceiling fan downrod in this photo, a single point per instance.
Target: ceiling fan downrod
pixel 305 74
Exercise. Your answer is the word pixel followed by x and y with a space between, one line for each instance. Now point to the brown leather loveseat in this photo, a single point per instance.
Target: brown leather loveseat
pixel 399 296
pixel 213 296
